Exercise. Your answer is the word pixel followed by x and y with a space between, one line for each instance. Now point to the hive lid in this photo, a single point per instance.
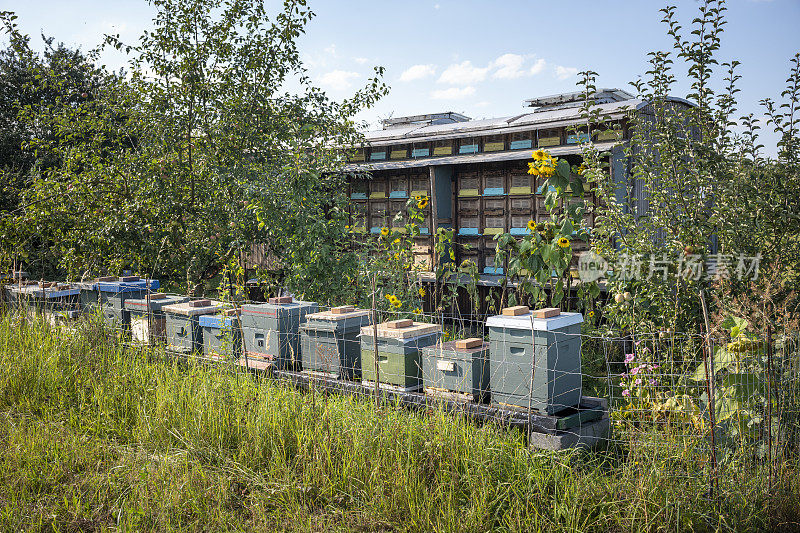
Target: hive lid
pixel 452 346
pixel 333 315
pixel 530 322
pixel 187 309
pixel 415 329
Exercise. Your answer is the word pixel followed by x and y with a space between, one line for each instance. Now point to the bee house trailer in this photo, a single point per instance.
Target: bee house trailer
pixel 148 321
pixel 545 343
pixel 460 366
pixel 329 342
pixel 222 335
pixel 184 334
pixel 272 332
pixel 399 344
pixel 113 294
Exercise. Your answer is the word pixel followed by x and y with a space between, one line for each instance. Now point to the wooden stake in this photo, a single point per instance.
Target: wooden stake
pixel 710 378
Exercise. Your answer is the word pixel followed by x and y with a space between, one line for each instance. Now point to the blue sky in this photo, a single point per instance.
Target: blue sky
pixel 475 57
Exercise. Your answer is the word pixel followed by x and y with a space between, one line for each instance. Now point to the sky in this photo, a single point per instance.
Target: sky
pixel 476 57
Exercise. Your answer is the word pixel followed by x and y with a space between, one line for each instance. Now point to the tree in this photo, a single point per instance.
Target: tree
pixel 219 153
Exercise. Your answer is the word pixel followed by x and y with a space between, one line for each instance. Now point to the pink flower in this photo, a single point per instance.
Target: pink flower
pixel 626 393
pixel 635 370
pixel 652 382
pixel 621 383
pixel 628 358
pixel 638 381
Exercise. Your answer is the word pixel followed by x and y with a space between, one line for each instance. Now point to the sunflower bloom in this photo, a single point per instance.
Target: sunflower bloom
pixel 563 242
pixel 422 292
pixel 532 225
pixel 385 232
pixel 396 241
pixel 539 155
pixel 417 311
pixel 423 202
pixel 533 170
pixel 397 303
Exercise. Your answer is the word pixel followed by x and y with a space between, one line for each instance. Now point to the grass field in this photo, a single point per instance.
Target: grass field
pixel 96 435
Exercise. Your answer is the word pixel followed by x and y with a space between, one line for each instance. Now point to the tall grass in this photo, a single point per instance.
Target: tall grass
pixel 99 435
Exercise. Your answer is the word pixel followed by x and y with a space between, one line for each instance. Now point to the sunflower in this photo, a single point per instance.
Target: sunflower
pixel 396 241
pixel 423 202
pixel 540 155
pixel 385 232
pixel 531 225
pixel 590 314
pixel 563 242
pixel 397 303
pixel 391 297
pixel 422 292
pixel 533 170
pixel 417 311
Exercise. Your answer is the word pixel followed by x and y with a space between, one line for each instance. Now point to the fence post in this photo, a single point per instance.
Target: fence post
pixel 710 378
pixel 769 408
pixel 375 341
pixel 530 389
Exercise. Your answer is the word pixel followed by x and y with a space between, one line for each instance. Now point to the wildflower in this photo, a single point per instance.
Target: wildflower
pixel 532 225
pixel 423 202
pixel 626 393
pixel 635 370
pixel 533 170
pixel 563 242
pixel 590 314
pixel 652 382
pixel 417 311
pixel 396 241
pixel 385 232
pixel 391 297
pixel 347 227
pixel 397 304
pixel 638 381
pixel 539 155
pixel 422 292
pixel 628 358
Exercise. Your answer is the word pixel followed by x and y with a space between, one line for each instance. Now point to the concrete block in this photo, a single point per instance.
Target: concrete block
pixel 583 436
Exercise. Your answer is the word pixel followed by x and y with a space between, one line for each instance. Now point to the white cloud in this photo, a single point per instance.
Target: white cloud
pixel 338 80
pixel 436 6
pixel 508 66
pixel 453 93
pixel 331 50
pixel 360 60
pixel 538 67
pixel 464 73
pixel 563 73
pixel 417 72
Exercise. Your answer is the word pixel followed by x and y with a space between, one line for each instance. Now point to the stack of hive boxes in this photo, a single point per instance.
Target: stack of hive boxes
pixel 399 345
pixel 329 342
pixel 272 332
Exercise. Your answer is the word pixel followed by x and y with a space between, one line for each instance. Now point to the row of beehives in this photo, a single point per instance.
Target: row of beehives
pixel 531 359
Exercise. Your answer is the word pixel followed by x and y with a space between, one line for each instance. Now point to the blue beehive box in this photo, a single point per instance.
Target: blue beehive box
pixel 521 343
pixel 272 332
pixel 112 296
pixel 222 335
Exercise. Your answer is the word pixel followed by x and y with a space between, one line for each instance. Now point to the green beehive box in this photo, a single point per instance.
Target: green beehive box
pixel 222 335
pixel 271 331
pixel 184 334
pixel 399 352
pixel 460 366
pixel 329 342
pixel 147 318
pixel 551 347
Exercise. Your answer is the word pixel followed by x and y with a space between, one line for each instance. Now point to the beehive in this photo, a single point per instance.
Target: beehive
pixel 272 331
pixel 112 296
pixel 184 334
pixel 329 342
pixel 61 302
pixel 550 347
pixel 222 335
pixel 399 346
pixel 460 366
pixel 147 318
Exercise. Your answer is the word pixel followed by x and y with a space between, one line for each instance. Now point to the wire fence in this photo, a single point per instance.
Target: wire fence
pixel 716 400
